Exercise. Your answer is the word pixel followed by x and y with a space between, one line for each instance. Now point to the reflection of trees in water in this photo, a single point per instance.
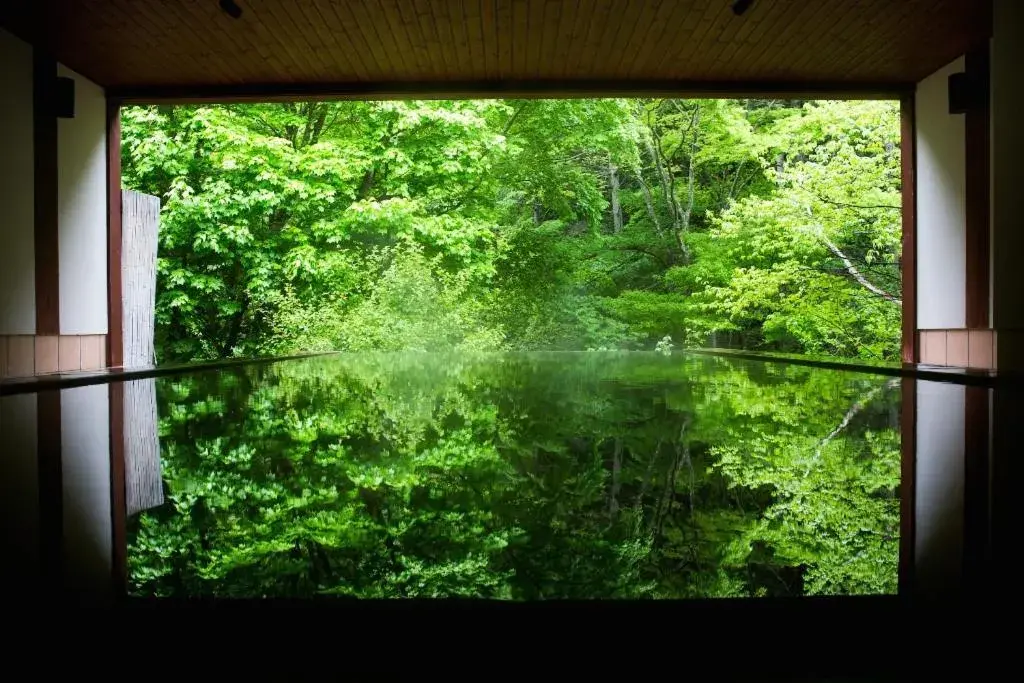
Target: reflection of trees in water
pixel 524 476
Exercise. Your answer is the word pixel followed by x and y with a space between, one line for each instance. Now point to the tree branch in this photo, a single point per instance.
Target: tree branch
pixel 819 231
pixel 852 270
pixel 850 414
pixel 860 206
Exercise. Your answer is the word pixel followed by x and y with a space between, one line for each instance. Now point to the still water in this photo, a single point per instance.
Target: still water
pixel 522 477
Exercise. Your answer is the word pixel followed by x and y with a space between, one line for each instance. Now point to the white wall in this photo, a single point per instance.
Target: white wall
pixel 82 210
pixel 941 216
pixel 17 228
pixel 85 469
pixel 939 487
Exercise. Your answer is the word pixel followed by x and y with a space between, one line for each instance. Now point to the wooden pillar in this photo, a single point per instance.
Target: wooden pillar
pixel 978 192
pixel 115 354
pixel 908 160
pixel 44 138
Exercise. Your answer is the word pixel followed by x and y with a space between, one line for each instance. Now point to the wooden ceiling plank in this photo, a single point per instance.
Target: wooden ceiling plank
pixel 566 23
pixel 622 18
pixel 329 49
pixel 261 42
pixel 777 16
pixel 222 29
pixel 580 26
pixel 796 41
pixel 839 57
pixel 653 51
pixel 123 43
pixel 831 29
pixel 503 32
pixel 349 36
pixel 152 14
pixel 725 25
pixel 278 35
pixel 645 13
pixel 202 40
pixel 460 33
pixel 726 59
pixel 685 39
pixel 692 49
pixel 760 59
pixel 945 51
pixel 520 38
pixel 489 37
pixel 445 37
pixel 591 48
pixel 403 52
pixel 876 25
pixel 431 38
pixel 753 18
pixel 304 39
pixel 378 37
pixel 737 53
pixel 138 30
pixel 474 37
pixel 546 54
pixel 410 19
pixel 540 37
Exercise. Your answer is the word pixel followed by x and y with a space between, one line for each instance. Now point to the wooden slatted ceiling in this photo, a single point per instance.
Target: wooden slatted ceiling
pixel 140 46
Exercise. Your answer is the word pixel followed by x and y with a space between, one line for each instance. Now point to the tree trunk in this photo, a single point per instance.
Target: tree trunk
pixel 613 185
pixel 648 201
pixel 613 504
pixel 684 223
pixel 662 176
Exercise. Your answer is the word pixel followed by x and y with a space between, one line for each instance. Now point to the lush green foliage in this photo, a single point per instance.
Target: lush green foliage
pixel 523 476
pixel 540 224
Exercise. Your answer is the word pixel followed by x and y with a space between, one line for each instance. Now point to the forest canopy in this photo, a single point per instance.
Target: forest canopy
pixel 523 225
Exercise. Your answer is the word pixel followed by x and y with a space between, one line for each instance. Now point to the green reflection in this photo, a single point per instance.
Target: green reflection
pixel 558 475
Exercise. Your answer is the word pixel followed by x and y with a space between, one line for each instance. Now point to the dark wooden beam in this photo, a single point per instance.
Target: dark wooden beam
pixel 115 341
pixel 978 191
pixel 908 182
pixel 44 138
pixel 269 92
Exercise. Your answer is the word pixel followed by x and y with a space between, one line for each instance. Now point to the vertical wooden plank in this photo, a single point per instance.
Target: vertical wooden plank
pixel 115 355
pixel 44 136
pixel 977 200
pixel 908 472
pixel 908 182
pixel 115 349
